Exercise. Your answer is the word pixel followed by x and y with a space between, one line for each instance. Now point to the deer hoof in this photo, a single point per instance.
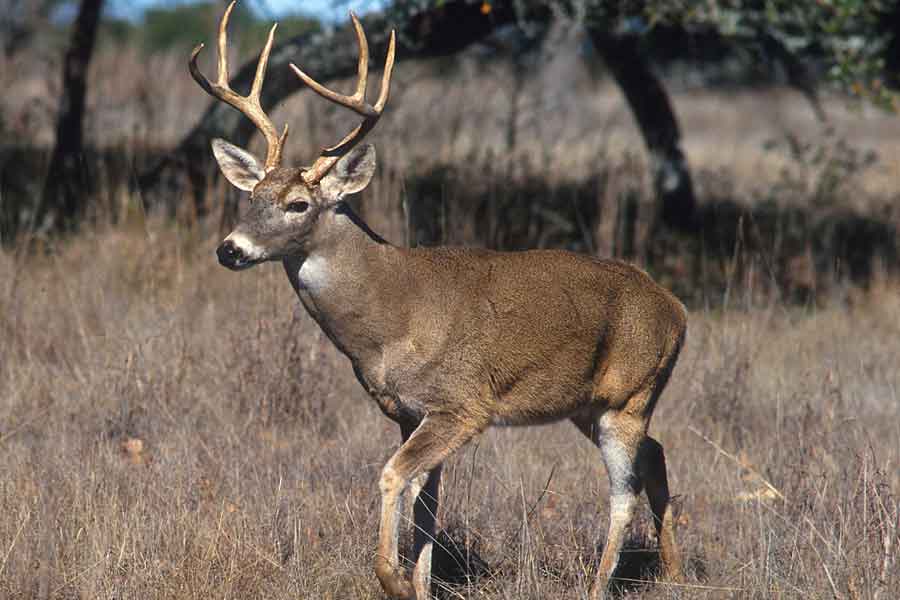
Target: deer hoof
pixel 394 583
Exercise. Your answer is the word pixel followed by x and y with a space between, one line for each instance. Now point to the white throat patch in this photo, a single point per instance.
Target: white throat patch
pixel 314 273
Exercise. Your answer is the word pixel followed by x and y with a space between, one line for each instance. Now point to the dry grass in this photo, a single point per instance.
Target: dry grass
pixel 173 430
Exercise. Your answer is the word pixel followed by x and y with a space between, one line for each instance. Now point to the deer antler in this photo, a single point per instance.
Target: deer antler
pixel 356 102
pixel 248 105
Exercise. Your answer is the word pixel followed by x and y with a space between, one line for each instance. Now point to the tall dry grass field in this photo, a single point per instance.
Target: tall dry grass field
pixel 174 430
pixel 169 429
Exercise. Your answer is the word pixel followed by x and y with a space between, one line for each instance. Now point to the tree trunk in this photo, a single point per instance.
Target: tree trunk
pixel 65 188
pixel 656 119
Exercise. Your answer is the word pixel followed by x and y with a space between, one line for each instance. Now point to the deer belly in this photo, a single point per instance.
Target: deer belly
pixel 538 398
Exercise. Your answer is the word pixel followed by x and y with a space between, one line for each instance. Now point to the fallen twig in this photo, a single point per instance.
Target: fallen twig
pixel 741 463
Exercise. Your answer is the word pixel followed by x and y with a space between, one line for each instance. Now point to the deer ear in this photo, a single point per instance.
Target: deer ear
pixel 240 167
pixel 351 174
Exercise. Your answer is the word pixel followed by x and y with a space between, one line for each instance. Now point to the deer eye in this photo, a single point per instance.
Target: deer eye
pixel 297 207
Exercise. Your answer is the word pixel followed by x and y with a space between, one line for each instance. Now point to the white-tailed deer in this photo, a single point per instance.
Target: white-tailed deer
pixel 449 341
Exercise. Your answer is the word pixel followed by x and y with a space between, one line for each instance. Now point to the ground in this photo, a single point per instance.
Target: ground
pixel 169 429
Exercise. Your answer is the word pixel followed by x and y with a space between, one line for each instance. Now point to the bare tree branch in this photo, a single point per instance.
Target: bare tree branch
pixel 656 120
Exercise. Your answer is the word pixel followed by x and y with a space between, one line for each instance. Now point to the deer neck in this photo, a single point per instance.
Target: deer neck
pixel 343 278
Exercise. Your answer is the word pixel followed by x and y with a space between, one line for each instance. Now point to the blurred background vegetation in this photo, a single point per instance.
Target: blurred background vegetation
pixel 171 430
pixel 167 27
pixel 151 26
pixel 126 130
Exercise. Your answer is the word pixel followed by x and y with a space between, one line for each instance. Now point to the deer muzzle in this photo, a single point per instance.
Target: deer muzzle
pixel 231 256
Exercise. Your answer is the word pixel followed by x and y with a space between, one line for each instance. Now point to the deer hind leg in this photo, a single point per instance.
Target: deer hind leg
pixel 436 437
pixel 653 470
pixel 619 437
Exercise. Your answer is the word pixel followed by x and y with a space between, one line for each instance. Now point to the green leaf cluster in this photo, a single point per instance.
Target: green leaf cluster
pixel 184 25
pixel 848 40
pixel 847 36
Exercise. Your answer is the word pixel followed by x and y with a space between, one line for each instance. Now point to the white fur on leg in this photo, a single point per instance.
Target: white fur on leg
pixel 422 573
pixel 623 494
pixel 621 512
pixel 392 510
pixel 621 507
pixel 425 509
pixel 416 485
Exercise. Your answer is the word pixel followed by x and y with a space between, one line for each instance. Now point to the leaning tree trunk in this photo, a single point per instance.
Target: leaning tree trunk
pixel 65 188
pixel 656 119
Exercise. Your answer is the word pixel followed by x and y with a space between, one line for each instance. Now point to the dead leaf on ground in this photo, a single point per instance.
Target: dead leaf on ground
pixel 134 451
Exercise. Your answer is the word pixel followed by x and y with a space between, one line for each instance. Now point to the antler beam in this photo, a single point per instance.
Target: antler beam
pixel 249 105
pixel 356 102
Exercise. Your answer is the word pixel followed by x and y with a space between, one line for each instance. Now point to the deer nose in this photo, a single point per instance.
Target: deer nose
pixel 229 254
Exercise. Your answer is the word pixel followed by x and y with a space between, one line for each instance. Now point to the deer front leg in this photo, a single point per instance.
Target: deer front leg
pixel 425 519
pixel 436 437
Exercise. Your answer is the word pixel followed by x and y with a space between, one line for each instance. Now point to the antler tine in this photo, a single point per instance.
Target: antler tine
pixel 356 102
pixel 222 40
pixel 249 105
pixel 386 77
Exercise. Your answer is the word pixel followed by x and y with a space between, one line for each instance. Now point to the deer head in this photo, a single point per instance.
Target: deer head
pixel 286 202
